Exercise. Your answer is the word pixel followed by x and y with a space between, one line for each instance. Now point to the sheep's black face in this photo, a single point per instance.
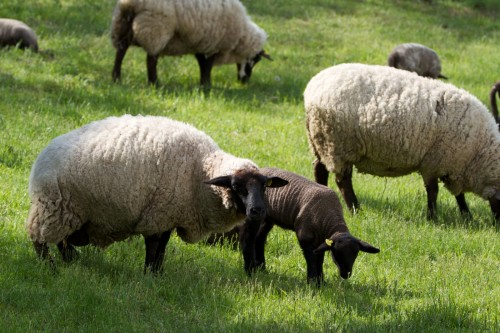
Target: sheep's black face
pixel 247 189
pixel 245 68
pixel 345 248
pixel 344 254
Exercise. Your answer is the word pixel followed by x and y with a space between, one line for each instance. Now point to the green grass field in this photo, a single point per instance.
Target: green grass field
pixel 430 276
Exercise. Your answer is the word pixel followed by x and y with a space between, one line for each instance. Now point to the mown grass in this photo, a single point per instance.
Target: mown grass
pixel 430 276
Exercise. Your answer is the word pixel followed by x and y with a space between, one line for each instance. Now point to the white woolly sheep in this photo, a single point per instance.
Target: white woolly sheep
pixel 494 109
pixel 124 176
pixel 217 32
pixel 314 212
pixel 390 122
pixel 17 33
pixel 416 58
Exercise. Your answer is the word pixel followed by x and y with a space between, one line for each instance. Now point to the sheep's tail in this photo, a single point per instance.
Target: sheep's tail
pixel 121 26
pixel 493 101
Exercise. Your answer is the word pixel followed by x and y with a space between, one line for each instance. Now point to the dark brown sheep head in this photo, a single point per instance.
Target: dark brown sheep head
pixel 247 190
pixel 345 248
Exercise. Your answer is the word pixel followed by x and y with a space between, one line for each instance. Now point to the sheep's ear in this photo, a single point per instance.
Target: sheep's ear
pixel 276 182
pixel 223 181
pixel 263 54
pixel 365 247
pixel 325 246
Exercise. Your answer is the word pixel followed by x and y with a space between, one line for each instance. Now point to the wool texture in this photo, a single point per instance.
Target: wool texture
pixel 130 175
pixel 390 122
pixel 178 27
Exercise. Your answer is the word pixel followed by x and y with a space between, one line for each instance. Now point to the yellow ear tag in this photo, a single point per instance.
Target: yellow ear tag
pixel 328 242
pixel 269 182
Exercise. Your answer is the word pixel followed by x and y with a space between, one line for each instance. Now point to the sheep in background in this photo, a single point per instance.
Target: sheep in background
pixel 495 90
pixel 314 212
pixel 416 58
pixel 388 122
pixel 124 176
pixel 217 32
pixel 17 33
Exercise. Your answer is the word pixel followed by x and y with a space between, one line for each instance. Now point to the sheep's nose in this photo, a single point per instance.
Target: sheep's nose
pixel 257 211
pixel 345 275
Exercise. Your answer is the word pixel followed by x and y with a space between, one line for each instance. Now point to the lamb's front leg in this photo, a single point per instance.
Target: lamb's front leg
pixel 260 243
pixel 248 232
pixel 314 264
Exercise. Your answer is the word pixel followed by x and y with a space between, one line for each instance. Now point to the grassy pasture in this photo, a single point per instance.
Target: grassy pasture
pixel 430 276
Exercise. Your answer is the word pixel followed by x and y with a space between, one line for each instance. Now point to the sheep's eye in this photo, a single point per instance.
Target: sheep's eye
pixel 240 189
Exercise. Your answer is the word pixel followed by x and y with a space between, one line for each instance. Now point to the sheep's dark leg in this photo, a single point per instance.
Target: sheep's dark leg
pixel 344 182
pixel 260 243
pixel 320 173
pixel 314 264
pixel 206 64
pixel 152 62
pixel 120 54
pixel 248 232
pixel 78 238
pixel 42 250
pixel 432 189
pixel 155 251
pixel 495 206
pixel 68 252
pixel 462 205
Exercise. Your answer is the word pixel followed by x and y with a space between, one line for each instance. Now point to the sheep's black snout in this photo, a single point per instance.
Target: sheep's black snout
pixel 257 212
pixel 345 275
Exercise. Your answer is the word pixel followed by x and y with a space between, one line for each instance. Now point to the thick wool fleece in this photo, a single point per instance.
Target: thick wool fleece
pixel 390 122
pixel 131 175
pixel 312 210
pixel 416 58
pixel 14 32
pixel 177 27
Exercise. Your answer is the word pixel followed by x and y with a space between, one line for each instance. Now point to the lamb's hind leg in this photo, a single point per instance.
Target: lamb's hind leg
pixel 344 182
pixel 155 251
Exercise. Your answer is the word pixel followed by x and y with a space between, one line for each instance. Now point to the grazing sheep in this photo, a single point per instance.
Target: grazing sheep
pixel 124 176
pixel 17 33
pixel 314 212
pixel 495 90
pixel 416 58
pixel 388 122
pixel 217 32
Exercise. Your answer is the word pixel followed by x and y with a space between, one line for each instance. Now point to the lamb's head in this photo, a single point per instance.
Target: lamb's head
pixel 245 68
pixel 345 248
pixel 247 188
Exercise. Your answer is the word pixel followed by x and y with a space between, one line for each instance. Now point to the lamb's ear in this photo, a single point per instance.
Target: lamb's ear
pixel 365 247
pixel 224 181
pixel 276 182
pixel 325 246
